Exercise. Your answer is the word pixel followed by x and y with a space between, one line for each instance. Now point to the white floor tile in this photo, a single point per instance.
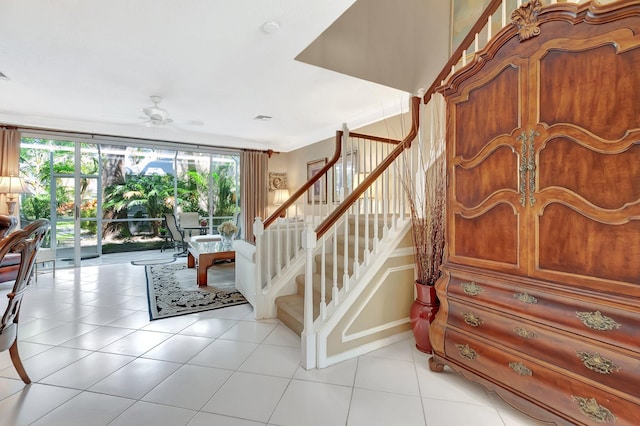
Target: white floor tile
pixel 97 338
pixel 171 325
pixel 402 350
pixel 146 413
pixel 448 385
pixel 387 375
pixel 87 371
pixel 283 336
pixel 61 334
pixel 190 386
pixel 237 312
pixel 249 331
pixel 33 402
pixel 273 360
pixel 343 373
pixel 178 348
pixel 209 327
pixel 312 404
pixel 46 363
pixel 135 379
pixel 227 354
pixel 248 396
pixel 135 320
pixel 447 413
pixel 9 386
pixel 208 419
pixel 371 408
pixel 136 343
pixel 86 409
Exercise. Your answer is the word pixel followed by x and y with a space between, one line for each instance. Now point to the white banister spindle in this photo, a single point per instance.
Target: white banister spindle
pixel 356 248
pixel 334 278
pixel 504 13
pixel 279 249
pixel 345 253
pixel 258 232
pixel 489 28
pixel 309 356
pixel 269 257
pixel 323 279
pixel 476 43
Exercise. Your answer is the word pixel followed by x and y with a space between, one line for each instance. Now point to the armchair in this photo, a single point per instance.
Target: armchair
pixel 25 243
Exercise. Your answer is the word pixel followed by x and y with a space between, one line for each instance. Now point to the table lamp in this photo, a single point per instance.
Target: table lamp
pixel 11 186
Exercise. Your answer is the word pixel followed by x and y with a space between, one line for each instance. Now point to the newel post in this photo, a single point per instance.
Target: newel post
pixel 258 232
pixel 308 333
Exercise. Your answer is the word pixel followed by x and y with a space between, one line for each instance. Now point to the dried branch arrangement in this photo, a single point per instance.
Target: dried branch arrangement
pixel 424 183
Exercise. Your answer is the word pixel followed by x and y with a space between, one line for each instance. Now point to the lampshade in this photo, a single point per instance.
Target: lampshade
pixel 13 185
pixel 280 196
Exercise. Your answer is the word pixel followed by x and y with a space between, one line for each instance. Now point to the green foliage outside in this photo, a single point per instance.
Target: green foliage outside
pixel 124 196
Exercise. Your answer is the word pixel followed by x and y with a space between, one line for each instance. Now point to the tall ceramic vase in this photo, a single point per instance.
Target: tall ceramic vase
pixel 423 311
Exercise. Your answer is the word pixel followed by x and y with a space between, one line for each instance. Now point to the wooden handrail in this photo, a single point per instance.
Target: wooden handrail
pixel 304 188
pixel 336 156
pixel 457 54
pixel 375 173
pixel 374 138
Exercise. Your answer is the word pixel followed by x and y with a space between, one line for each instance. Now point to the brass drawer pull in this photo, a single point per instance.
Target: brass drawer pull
pixel 471 288
pixel 520 368
pixel 596 362
pixel 597 321
pixel 525 298
pixel 472 319
pixel 467 352
pixel 523 332
pixel 596 412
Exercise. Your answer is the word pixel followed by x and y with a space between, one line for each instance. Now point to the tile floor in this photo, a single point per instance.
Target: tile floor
pixel 96 359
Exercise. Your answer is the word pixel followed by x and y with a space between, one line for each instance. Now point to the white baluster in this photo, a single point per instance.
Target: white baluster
pixel 334 285
pixel 258 231
pixel 308 339
pixel 323 279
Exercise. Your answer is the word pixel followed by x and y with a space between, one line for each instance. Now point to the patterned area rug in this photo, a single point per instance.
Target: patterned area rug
pixel 172 289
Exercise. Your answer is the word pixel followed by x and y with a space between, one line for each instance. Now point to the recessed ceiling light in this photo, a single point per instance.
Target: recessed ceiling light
pixel 270 27
pixel 3 76
pixel 263 117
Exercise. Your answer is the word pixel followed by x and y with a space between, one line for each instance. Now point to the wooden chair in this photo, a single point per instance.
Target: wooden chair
pixel 26 243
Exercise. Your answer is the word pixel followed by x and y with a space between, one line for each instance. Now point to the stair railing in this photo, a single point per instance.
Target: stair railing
pixel 278 238
pixel 380 178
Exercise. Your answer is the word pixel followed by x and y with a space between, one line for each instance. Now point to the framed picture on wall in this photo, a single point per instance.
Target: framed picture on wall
pixel 277 181
pixel 318 192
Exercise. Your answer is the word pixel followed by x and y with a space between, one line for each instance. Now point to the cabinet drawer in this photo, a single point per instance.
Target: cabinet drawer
pixel 588 358
pixel 563 395
pixel 577 314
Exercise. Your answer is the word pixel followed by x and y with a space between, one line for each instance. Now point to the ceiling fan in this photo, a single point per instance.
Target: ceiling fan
pixel 156 116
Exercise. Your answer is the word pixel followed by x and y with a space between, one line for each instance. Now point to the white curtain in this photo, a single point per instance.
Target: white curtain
pixel 9 158
pixel 253 184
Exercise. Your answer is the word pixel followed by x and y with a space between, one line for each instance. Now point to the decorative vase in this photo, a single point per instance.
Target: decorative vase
pixel 227 240
pixel 423 311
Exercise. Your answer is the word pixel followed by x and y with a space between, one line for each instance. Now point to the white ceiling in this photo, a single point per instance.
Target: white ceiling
pixel 90 66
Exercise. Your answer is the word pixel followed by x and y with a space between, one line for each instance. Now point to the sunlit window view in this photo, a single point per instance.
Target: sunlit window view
pixel 113 198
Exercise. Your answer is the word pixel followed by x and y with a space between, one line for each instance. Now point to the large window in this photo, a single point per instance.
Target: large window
pixel 122 191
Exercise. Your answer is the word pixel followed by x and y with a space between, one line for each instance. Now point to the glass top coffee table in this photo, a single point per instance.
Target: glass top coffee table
pixel 204 254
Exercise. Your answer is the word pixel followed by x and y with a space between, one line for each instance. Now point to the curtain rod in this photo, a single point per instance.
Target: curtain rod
pixel 125 139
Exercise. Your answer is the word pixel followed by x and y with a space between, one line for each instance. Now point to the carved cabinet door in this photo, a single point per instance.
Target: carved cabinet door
pixel 584 173
pixel 486 169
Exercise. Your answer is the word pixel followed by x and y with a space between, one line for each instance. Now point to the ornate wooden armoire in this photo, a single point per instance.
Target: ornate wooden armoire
pixel 540 292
